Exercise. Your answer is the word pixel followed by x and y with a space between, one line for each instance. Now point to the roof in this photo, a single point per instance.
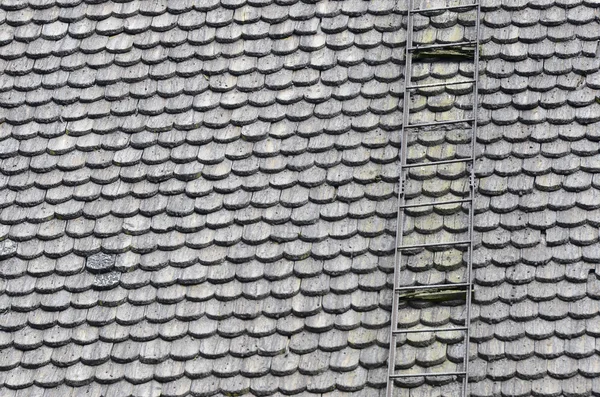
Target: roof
pixel 199 197
pixel 535 305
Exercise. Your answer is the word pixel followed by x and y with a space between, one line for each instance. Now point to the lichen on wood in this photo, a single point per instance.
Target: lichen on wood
pixel 435 295
pixel 449 53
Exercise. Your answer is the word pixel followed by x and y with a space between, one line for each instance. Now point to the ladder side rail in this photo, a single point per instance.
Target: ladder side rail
pixel 400 213
pixel 472 194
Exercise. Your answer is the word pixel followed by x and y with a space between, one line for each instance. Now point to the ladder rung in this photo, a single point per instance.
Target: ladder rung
pixel 444 45
pixel 443 122
pixel 455 373
pixel 422 331
pixel 433 286
pixel 451 8
pixel 441 162
pixel 417 86
pixel 435 203
pixel 441 244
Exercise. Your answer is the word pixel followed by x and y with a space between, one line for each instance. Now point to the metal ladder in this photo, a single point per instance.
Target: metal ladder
pixel 467 286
